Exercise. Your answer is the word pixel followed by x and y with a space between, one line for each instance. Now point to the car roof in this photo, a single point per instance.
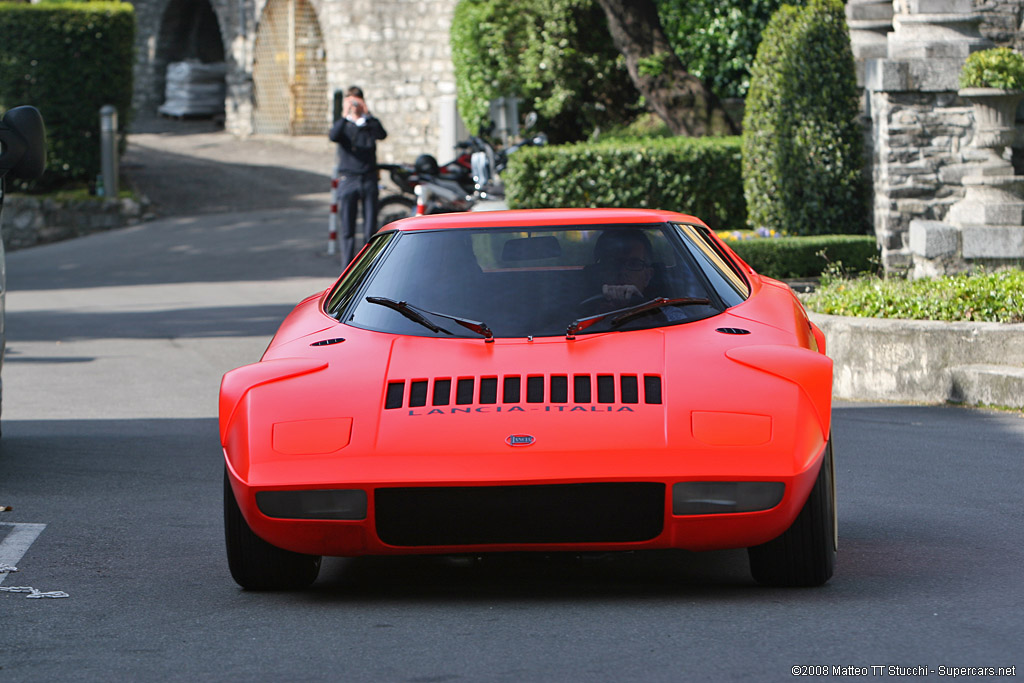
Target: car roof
pixel 538 217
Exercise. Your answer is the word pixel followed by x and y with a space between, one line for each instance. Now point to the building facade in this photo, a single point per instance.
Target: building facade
pixel 285 59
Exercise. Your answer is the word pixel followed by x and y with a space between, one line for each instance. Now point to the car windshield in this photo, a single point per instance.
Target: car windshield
pixel 536 282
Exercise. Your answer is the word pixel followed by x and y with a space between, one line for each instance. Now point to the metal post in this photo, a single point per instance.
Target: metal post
pixel 108 150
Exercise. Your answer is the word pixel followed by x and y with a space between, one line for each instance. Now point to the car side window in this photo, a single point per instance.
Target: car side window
pixel 344 292
pixel 720 270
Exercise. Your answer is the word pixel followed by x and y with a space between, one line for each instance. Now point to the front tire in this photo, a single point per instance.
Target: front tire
pixel 805 554
pixel 254 563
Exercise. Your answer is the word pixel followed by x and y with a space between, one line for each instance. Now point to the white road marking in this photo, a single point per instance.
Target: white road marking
pixel 16 543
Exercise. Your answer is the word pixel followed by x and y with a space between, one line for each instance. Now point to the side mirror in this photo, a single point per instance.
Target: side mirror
pixel 531 120
pixel 22 143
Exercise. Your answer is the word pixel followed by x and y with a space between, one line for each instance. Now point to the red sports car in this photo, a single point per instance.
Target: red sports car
pixel 551 380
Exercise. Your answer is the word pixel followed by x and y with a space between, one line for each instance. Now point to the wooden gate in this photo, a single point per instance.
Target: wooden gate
pixel 289 71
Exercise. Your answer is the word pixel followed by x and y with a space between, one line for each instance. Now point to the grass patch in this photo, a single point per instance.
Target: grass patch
pixel 76 192
pixel 982 296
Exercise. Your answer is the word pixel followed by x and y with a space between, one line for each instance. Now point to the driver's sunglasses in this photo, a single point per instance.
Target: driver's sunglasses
pixel 632 264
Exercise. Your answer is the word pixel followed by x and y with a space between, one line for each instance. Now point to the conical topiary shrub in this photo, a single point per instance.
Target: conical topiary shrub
pixel 803 165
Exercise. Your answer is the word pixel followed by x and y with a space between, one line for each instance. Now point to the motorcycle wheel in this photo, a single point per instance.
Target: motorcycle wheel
pixel 393 208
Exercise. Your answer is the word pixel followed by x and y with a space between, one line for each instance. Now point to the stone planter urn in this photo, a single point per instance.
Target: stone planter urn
pixel 995 111
pixel 990 217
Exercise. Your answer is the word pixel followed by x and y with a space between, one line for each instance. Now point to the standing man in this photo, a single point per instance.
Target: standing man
pixel 357 133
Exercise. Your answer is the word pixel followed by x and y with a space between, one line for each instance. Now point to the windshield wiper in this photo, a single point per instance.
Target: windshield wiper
pixel 621 315
pixel 417 315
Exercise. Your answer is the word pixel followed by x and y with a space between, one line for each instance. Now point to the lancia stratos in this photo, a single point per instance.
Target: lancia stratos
pixel 568 380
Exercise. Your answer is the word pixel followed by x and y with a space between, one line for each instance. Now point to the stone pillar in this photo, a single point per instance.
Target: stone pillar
pixel 919 126
pixel 990 217
pixel 238 109
pixel 869 22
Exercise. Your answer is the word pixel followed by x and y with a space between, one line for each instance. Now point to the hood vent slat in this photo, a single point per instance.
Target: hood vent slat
pixel 610 389
pixel 442 392
pixel 464 392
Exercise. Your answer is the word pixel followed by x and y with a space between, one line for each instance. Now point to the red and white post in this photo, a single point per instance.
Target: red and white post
pixel 332 221
pixel 422 196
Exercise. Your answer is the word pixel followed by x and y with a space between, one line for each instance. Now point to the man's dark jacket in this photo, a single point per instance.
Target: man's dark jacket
pixel 357 145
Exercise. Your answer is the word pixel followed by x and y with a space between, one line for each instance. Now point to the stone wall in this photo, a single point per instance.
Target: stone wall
pixel 396 50
pixel 1002 21
pixel 925 361
pixel 921 151
pixel 28 221
pixel 924 137
pixel 169 30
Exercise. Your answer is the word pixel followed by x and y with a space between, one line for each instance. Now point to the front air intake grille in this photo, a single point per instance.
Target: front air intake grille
pixel 614 512
pixel 516 389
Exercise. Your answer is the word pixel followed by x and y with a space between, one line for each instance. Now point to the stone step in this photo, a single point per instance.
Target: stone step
pixel 993 385
pixel 886 359
pixel 877 29
pixel 873 11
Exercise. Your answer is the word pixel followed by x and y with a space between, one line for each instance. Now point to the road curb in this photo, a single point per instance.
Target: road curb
pixel 925 361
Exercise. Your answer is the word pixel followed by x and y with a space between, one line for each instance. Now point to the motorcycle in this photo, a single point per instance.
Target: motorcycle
pixel 453 181
pixel 470 179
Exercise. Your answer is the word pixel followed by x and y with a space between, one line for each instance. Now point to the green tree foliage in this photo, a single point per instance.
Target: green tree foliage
pixel 802 141
pixel 68 59
pixel 717 39
pixel 554 54
pixel 678 97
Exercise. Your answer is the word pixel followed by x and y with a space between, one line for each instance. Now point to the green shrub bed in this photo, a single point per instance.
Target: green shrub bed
pixel 996 296
pixel 806 256
pixel 698 176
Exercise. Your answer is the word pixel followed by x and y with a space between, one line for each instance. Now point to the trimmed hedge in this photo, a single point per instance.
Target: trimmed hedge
pixel 697 176
pixel 807 256
pixel 802 138
pixel 68 59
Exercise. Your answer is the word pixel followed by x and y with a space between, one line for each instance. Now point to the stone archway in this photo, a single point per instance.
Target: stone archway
pixel 189 30
pixel 289 71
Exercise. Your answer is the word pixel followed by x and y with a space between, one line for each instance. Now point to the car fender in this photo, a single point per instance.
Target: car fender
pixel 239 381
pixel 810 370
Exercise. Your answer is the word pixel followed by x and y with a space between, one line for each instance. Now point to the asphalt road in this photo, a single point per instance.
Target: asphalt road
pixel 116 346
pixel 192 167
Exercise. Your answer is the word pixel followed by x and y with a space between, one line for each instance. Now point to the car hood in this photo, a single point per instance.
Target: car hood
pixel 594 392
pixel 696 388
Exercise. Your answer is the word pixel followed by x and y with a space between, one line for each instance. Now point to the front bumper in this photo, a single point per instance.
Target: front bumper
pixel 704 508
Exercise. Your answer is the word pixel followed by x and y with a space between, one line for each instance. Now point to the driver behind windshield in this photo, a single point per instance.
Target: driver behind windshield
pixel 623 267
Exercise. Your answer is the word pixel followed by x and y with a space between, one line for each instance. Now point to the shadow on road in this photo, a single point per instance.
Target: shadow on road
pixel 190 323
pixel 192 167
pixel 253 246
pixel 179 184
